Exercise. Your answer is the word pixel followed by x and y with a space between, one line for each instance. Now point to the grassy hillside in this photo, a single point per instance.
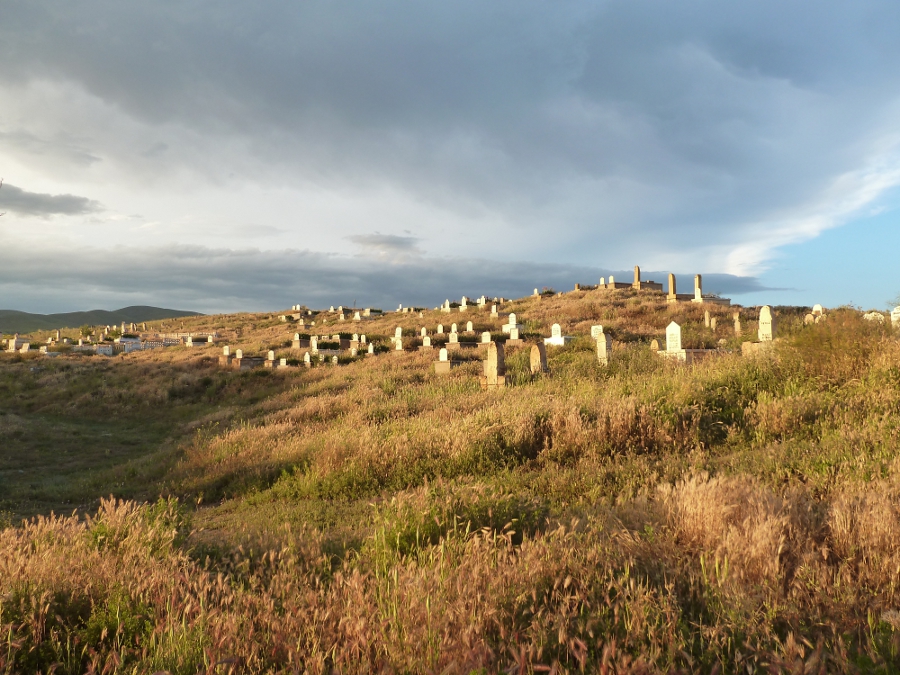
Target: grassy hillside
pixel 12 321
pixel 741 514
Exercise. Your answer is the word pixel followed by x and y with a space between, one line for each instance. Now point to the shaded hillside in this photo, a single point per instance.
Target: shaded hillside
pixel 12 321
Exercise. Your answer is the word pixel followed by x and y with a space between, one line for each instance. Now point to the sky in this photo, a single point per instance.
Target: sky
pixel 232 156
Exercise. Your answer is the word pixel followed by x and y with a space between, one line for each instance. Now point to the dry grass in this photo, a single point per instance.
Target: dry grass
pixel 739 515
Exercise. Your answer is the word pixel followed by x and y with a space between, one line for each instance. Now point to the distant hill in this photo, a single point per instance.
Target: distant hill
pixel 12 321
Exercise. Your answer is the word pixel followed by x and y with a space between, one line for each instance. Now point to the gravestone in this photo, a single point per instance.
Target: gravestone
pixel 469 327
pixel 239 354
pixel 654 345
pixel 485 337
pixel 612 282
pixel 513 334
pixel 698 288
pixel 673 337
pixel 895 317
pixel 398 344
pixel 282 363
pixel 226 351
pixel 809 319
pixel 398 332
pixel 426 342
pixel 636 284
pixel 673 294
pixel 767 326
pixel 536 292
pixel 453 328
pixel 494 366
pixel 307 361
pixel 577 287
pixel 706 318
pixel 512 319
pixel 604 347
pixel 817 310
pixel 440 329
pixel 712 324
pixel 454 338
pixel 442 366
pixel 371 348
pixel 209 339
pixel 334 360
pixel 557 339
pixel 595 331
pixel 314 344
pixel 538 359
pixel 737 323
pixel 362 339
pixel 423 332
pixel 354 351
pixel 270 356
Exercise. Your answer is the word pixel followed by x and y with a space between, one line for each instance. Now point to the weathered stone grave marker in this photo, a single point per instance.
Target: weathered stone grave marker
pixel 538 359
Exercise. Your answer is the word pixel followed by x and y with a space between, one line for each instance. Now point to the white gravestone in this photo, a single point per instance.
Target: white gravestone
pixel 673 337
pixel 557 339
pixel 766 331
pixel 604 347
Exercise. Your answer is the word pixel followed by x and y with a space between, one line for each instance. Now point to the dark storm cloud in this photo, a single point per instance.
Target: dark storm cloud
pixel 18 201
pixel 218 280
pixel 385 244
pixel 621 128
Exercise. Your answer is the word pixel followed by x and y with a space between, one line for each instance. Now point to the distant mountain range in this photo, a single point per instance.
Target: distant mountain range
pixel 12 321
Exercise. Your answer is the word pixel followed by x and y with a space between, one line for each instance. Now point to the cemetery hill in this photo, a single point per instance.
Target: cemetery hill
pixel 617 478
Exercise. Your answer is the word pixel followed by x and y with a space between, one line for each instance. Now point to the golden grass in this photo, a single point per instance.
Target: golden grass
pixel 738 515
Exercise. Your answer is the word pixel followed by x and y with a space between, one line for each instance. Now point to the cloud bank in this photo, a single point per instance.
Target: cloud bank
pixel 18 201
pixel 224 280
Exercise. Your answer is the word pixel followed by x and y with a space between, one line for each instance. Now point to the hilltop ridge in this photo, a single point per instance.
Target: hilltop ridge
pixel 14 321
